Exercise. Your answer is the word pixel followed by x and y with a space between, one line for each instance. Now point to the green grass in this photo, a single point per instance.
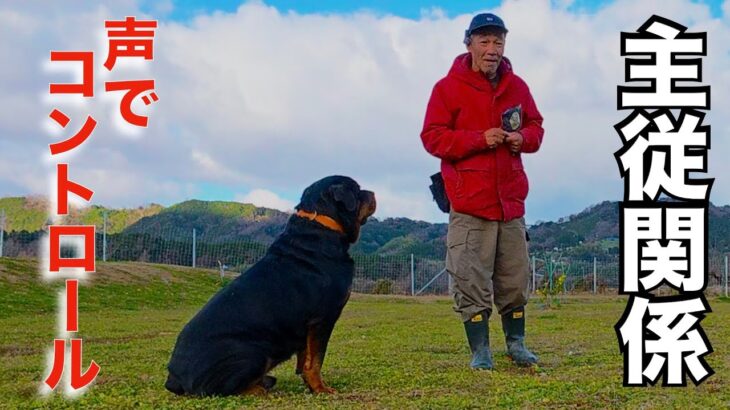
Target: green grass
pixel 386 352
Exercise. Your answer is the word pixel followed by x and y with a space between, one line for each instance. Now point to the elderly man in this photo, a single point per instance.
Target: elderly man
pixel 480 119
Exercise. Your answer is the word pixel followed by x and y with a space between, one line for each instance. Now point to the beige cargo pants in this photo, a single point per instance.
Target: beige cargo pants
pixel 486 259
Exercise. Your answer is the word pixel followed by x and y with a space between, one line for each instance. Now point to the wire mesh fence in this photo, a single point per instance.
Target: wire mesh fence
pixel 380 274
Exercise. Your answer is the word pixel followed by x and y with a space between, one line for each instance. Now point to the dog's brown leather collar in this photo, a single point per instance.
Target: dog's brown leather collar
pixel 322 219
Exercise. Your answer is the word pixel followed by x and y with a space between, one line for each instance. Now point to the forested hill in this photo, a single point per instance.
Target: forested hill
pixel 593 230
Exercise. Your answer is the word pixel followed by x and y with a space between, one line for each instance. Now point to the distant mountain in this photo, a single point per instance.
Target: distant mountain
pixel 24 213
pixel 399 236
pixel 31 214
pixel 594 224
pixel 599 225
pixel 592 231
pixel 214 221
pixel 219 221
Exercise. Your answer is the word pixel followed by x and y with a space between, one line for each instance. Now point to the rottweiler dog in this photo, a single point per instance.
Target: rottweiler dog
pixel 285 304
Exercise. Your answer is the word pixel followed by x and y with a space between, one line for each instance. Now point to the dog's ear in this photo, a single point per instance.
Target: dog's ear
pixel 343 194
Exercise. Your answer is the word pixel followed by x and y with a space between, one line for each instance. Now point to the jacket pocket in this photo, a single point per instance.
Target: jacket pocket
pixel 481 162
pixel 474 176
pixel 516 162
pixel 518 186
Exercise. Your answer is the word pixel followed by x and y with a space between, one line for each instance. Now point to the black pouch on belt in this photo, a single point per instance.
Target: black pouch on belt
pixel 439 192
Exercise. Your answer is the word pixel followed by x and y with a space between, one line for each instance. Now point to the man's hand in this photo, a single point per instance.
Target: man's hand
pixel 494 137
pixel 514 140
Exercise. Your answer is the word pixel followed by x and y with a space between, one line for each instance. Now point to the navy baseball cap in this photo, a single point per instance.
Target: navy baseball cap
pixel 484 20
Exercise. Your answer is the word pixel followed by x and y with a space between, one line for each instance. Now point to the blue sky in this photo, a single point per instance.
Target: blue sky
pixel 185 9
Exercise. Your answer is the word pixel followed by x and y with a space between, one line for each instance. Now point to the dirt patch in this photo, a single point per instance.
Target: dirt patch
pixel 107 378
pixel 120 272
pixel 124 339
pixel 15 351
pixel 404 298
pixel 16 271
pixel 136 272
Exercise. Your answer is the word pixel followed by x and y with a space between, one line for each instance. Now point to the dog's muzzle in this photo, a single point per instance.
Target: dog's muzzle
pixel 368 205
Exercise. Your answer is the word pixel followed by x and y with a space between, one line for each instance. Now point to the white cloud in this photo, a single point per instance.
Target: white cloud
pixel 392 203
pixel 267 199
pixel 208 168
pixel 274 100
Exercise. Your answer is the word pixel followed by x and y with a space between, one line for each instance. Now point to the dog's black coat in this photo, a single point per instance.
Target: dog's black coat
pixel 263 317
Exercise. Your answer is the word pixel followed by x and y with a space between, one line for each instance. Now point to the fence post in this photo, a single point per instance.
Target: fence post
pixel 193 247
pixel 2 231
pixel 594 275
pixel 533 274
pixel 413 277
pixel 103 246
pixel 725 275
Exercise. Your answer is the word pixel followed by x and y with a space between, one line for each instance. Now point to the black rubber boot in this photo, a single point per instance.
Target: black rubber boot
pixel 477 333
pixel 513 324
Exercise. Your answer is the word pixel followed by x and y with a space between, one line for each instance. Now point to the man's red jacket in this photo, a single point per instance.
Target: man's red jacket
pixel 483 182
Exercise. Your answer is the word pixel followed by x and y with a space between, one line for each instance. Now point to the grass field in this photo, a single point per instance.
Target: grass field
pixel 386 352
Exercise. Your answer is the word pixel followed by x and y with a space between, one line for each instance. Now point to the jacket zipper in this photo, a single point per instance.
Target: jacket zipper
pixel 496 157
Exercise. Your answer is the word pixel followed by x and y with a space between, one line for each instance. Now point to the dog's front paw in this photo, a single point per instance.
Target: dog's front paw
pixel 316 384
pixel 255 390
pixel 324 390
